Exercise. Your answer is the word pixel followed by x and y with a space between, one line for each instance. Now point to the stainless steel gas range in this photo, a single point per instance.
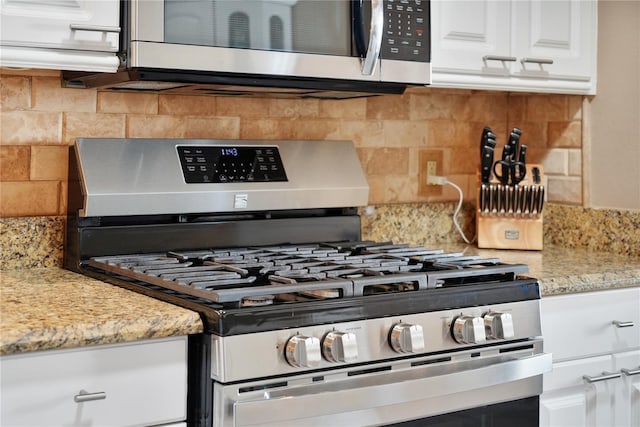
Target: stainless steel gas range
pixel 305 324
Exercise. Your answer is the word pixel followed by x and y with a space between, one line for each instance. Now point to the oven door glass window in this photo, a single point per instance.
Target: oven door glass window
pixel 520 413
pixel 307 26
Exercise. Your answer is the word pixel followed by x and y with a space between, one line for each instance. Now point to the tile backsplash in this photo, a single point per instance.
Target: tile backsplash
pixel 40 119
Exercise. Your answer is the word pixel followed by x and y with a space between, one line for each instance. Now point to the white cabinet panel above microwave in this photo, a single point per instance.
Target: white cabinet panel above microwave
pixel 60 34
pixel 61 24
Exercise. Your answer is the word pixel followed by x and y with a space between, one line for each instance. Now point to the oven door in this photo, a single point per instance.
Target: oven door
pixel 485 385
pixel 329 39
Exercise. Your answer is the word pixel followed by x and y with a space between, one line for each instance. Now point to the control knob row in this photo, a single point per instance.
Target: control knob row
pixel 306 352
pixel 476 330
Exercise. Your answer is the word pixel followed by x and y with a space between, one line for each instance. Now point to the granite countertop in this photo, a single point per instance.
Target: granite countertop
pixel 52 308
pixel 568 270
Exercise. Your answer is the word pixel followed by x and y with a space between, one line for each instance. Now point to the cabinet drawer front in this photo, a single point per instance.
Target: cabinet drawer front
pixel 571 373
pixel 124 385
pixel 581 325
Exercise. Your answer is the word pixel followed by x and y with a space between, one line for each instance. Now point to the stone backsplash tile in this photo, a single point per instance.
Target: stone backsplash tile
pixel 15 162
pixel 127 102
pixel 187 105
pixel 565 134
pixel 228 106
pixel 15 93
pixel 389 131
pixel 567 189
pixel 49 162
pixel 30 127
pixel 92 125
pixel 26 198
pixel 47 95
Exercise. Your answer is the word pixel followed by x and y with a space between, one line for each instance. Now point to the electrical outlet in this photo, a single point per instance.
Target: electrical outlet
pixel 432 168
pixel 431 162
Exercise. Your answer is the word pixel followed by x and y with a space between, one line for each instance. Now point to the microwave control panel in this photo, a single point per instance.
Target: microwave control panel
pixel 406 30
pixel 230 164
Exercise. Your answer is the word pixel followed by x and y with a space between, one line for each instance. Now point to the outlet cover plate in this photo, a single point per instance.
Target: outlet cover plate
pixel 427 155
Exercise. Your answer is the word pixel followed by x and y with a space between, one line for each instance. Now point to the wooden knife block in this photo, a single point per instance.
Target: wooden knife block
pixel 509 229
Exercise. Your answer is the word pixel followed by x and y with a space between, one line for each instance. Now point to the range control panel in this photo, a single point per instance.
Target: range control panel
pixel 224 164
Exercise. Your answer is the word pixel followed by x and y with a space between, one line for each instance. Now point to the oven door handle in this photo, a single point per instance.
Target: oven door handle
pixel 381 390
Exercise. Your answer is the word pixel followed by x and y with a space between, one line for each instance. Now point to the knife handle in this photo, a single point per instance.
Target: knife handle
pixel 486 164
pixel 540 200
pixel 483 138
pixel 536 175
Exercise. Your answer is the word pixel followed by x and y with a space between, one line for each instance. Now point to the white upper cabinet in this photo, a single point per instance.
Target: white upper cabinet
pixel 80 35
pixel 520 45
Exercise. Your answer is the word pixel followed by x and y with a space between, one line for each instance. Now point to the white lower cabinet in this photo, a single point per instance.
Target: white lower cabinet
pixel 595 342
pixel 134 384
pixel 627 392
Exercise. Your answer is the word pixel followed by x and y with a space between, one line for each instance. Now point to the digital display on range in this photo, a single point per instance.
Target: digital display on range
pixel 222 164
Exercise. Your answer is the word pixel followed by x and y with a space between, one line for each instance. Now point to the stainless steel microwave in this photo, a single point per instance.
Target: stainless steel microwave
pixel 304 47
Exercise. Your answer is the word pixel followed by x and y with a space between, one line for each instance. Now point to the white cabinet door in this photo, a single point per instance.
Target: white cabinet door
pixel 555 39
pixel 465 32
pixel 526 45
pixel 627 398
pixel 61 24
pixel 76 35
pixel 121 385
pixel 569 400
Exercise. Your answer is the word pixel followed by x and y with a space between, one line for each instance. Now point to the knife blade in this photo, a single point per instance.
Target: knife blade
pixel 481 197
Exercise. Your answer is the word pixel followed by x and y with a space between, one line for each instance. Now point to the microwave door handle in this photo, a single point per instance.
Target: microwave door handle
pixel 359 27
pixel 375 38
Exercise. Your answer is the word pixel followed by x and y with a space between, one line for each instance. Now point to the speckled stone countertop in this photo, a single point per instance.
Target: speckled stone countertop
pixel 52 308
pixel 568 270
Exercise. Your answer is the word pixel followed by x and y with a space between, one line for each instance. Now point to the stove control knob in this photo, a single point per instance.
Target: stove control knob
pixel 468 330
pixel 340 347
pixel 406 338
pixel 303 352
pixel 498 325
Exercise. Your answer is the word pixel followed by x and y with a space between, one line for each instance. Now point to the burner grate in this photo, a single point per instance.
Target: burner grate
pixel 284 274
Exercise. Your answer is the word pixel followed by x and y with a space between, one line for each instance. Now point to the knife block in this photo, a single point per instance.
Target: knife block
pixel 503 221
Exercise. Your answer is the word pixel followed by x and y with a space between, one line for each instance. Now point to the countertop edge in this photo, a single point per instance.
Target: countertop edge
pixel 79 311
